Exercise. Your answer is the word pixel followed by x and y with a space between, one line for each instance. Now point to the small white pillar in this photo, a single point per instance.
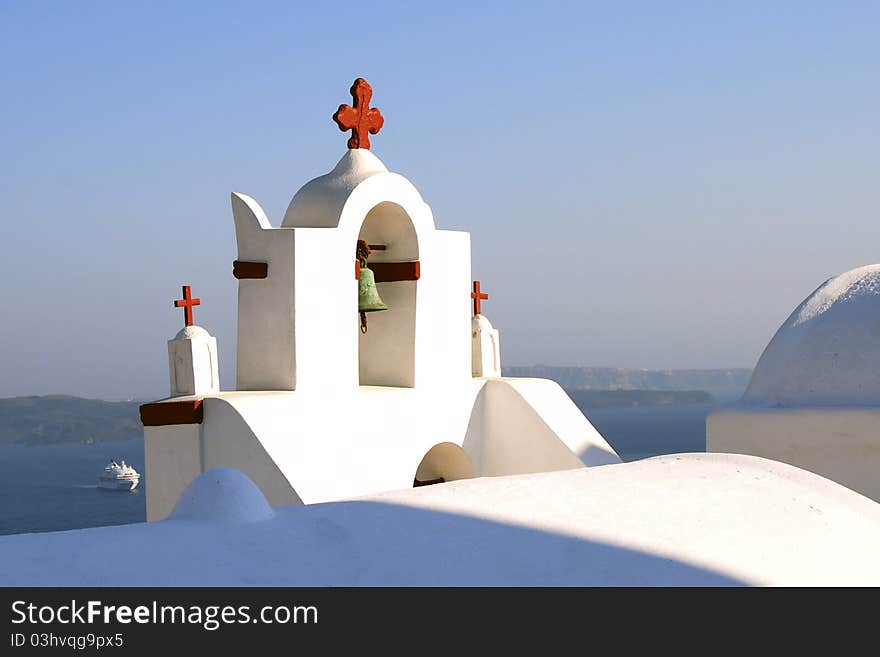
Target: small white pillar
pixel 192 362
pixel 486 348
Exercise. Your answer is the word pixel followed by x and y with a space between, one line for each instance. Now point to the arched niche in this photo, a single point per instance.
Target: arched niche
pixel 444 462
pixel 386 353
pixel 388 224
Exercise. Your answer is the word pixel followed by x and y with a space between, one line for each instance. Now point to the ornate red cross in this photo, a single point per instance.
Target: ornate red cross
pixel 187 304
pixel 478 297
pixel 361 119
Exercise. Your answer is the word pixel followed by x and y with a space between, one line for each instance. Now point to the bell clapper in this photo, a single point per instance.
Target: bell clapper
pixel 363 322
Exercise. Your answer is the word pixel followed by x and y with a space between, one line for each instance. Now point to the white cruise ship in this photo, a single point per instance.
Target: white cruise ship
pixel 119 476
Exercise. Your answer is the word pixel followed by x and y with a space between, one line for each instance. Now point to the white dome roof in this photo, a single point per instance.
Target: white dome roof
pixel 828 351
pixel 222 495
pixel 481 322
pixel 192 333
pixel 318 203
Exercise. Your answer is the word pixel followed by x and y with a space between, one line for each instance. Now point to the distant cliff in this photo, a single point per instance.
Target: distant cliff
pixel 723 384
pixel 590 399
pixel 60 419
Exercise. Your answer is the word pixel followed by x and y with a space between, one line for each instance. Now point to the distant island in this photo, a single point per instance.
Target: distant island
pixel 57 419
pixel 723 384
pixel 589 399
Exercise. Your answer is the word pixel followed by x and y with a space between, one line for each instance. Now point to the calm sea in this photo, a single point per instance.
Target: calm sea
pixel 640 432
pixel 55 488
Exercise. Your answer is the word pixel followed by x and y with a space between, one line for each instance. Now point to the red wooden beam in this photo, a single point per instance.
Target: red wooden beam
pixel 243 269
pixel 160 414
pixel 387 272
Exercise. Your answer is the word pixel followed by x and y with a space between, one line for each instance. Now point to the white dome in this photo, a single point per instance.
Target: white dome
pixel 192 333
pixel 318 203
pixel 222 495
pixel 481 322
pixel 828 351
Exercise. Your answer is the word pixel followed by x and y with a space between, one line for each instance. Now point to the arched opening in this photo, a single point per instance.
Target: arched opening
pixel 386 352
pixel 443 462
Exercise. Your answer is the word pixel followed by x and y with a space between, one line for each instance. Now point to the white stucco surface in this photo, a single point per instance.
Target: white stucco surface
pixel 691 519
pixel 193 362
pixel 172 459
pixel 828 351
pixel 485 348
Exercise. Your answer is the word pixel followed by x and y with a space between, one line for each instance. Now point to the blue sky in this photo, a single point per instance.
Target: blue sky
pixel 646 184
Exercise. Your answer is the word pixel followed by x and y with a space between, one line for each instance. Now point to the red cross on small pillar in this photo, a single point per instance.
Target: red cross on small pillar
pixel 187 304
pixel 361 119
pixel 478 297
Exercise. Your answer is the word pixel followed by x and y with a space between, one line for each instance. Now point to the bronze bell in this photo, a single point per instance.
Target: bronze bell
pixel 369 300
